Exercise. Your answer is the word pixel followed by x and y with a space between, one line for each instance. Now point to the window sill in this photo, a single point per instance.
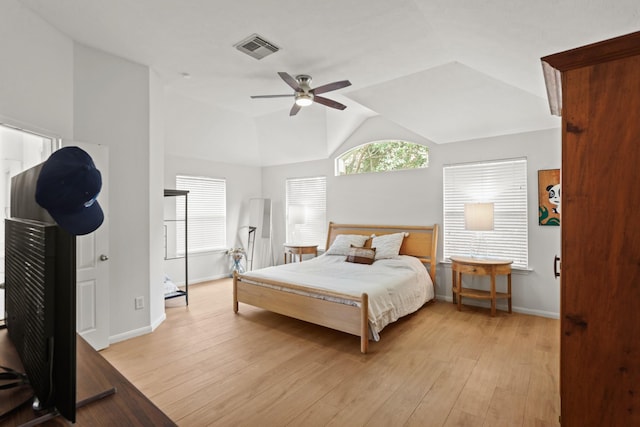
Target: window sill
pixel 204 252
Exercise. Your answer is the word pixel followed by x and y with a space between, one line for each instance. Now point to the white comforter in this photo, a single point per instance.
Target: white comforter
pixel 396 287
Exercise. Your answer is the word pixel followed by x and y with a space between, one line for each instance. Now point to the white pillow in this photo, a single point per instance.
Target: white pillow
pixel 388 245
pixel 342 243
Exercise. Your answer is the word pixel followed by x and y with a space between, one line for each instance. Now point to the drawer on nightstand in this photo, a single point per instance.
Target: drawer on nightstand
pixel 473 269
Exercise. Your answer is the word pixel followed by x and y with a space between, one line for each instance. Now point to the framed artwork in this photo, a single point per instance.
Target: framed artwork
pixel 549 197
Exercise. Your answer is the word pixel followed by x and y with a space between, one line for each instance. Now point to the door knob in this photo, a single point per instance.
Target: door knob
pixel 103 257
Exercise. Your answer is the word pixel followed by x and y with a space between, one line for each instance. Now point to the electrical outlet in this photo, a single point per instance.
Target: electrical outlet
pixel 139 303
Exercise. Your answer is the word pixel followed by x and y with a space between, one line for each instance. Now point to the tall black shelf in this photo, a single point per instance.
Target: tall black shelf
pixel 180 292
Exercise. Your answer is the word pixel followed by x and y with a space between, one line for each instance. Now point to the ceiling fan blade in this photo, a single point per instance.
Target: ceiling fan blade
pixel 272 96
pixel 289 80
pixel 331 86
pixel 329 102
pixel 294 109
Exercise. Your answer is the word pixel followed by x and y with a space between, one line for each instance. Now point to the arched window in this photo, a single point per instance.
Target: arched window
pixel 382 156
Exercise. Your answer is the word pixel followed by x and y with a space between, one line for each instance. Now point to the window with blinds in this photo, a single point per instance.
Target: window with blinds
pixel 501 182
pixel 206 211
pixel 306 200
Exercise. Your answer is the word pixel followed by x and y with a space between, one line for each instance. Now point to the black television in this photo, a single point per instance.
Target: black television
pixel 40 299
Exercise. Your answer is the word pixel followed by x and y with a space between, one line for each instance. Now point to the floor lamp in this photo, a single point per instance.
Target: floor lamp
pixel 478 217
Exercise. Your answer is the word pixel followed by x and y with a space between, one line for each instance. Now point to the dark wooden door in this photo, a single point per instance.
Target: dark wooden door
pixel 600 290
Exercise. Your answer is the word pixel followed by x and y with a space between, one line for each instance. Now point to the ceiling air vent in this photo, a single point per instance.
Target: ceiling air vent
pixel 256 46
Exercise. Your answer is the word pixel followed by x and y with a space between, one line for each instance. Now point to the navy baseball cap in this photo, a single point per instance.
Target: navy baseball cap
pixel 68 188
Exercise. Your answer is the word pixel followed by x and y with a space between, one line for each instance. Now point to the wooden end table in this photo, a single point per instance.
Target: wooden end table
pixel 291 250
pixel 480 267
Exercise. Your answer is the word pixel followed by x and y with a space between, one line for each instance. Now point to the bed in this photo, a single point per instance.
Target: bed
pixel 345 296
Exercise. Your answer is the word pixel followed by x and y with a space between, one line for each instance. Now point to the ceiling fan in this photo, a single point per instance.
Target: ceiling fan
pixel 304 95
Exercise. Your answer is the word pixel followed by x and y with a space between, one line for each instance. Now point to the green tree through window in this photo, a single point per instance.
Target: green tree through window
pixel 383 156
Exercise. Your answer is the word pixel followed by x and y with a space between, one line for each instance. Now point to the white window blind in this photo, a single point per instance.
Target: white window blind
pixel 307 211
pixel 207 213
pixel 502 182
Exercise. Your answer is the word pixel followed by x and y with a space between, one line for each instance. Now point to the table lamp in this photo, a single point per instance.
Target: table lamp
pixel 478 217
pixel 297 216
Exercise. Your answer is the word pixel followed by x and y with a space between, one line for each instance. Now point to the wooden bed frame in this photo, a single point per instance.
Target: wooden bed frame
pixel 421 243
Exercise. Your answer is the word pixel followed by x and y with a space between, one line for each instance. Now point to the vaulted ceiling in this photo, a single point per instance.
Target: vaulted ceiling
pixel 447 70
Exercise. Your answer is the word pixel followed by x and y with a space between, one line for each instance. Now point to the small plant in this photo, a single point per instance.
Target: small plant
pixel 236 253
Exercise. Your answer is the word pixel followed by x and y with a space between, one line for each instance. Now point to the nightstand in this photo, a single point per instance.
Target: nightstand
pixel 480 267
pixel 292 250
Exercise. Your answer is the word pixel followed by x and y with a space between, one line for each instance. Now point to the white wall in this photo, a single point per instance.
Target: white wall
pixel 155 199
pixel 36 75
pixel 535 292
pixel 243 183
pixel 415 197
pixel 368 198
pixel 209 133
pixel 111 108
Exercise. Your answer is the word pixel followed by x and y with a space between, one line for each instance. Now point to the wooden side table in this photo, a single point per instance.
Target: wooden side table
pixel 291 250
pixel 480 267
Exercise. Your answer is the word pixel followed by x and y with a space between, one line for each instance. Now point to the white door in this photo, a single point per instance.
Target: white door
pixel 92 290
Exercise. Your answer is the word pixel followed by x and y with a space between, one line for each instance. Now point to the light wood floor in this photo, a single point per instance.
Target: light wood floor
pixel 438 367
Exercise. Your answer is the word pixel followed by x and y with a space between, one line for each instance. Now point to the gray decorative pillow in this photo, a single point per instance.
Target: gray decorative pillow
pixel 361 255
pixel 342 243
pixel 388 245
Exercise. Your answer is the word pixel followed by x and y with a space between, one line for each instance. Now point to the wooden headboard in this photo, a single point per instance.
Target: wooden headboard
pixel 422 241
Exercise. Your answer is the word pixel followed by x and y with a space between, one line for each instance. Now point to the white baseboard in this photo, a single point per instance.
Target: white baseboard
pixel 210 278
pixel 504 307
pixel 539 313
pixel 130 334
pixel 138 332
pixel 158 322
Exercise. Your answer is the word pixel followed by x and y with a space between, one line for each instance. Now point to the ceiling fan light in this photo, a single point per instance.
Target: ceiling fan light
pixel 304 99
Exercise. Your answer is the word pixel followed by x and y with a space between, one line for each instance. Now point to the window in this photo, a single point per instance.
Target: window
pixel 383 156
pixel 19 151
pixel 307 211
pixel 206 211
pixel 502 182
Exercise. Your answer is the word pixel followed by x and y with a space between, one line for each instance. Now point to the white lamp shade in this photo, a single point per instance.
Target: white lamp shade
pixel 304 100
pixel 297 214
pixel 478 216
